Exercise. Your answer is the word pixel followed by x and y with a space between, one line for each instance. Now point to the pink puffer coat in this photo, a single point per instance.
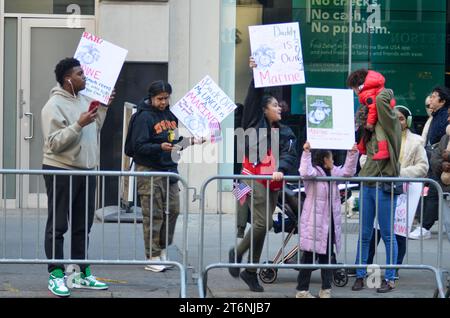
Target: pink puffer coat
pixel 316 204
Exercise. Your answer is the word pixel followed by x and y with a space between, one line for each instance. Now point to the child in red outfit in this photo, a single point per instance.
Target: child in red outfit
pixel 367 85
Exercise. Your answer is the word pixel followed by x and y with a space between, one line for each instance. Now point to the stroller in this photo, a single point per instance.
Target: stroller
pixel 269 275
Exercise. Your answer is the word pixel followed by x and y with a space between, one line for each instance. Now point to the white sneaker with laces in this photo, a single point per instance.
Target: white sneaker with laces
pixel 304 294
pixel 88 281
pixel 419 233
pixel 58 286
pixel 155 268
pixel 325 293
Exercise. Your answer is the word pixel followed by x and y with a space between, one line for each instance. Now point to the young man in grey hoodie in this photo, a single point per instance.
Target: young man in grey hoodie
pixel 70 132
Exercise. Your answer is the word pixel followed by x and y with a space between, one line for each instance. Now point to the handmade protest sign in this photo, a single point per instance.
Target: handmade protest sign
pixel 406 208
pixel 101 62
pixel 277 51
pixel 203 108
pixel 330 118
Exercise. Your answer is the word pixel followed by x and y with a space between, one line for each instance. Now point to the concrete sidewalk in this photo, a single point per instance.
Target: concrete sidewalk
pixel 113 241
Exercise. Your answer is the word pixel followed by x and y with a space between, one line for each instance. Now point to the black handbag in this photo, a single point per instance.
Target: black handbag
pixel 396 187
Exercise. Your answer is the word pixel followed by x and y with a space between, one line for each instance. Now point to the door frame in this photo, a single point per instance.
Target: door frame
pixel 25 25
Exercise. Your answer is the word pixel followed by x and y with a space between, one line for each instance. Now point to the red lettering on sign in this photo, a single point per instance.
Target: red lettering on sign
pixel 92 38
pixel 90 72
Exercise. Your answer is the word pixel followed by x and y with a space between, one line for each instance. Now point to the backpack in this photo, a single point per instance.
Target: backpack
pixel 129 142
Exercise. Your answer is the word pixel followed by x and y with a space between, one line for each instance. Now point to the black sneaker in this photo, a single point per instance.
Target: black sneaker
pixel 234 271
pixel 251 279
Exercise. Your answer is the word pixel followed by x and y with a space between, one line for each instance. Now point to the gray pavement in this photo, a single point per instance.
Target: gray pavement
pixel 112 241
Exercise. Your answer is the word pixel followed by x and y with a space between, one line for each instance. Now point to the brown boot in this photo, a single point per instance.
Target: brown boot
pixel 383 151
pixel 358 285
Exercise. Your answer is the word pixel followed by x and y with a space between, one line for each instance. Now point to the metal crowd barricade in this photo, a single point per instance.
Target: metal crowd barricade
pixel 222 260
pixel 13 216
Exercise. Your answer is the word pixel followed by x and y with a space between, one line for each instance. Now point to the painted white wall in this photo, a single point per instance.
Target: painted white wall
pixel 140 27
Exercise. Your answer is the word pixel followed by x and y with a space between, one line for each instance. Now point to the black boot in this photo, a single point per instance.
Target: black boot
pixel 251 279
pixel 234 271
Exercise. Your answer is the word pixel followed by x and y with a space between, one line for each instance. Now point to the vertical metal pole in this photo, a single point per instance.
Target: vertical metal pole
pixel 283 200
pixel 135 213
pixel 38 216
pixel 391 221
pixel 220 193
pixel 346 224
pixel 361 223
pixel 252 210
pixel 103 217
pixel 167 214
pixel 86 219
pixel 314 211
pixel 119 212
pixel 151 216
pixel 70 212
pixel 4 215
pixel 54 216
pixel 377 216
pixel 330 209
pixel 421 227
pixel 299 211
pixel 21 223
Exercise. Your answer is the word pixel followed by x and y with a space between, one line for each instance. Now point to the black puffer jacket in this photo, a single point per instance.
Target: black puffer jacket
pixel 253 117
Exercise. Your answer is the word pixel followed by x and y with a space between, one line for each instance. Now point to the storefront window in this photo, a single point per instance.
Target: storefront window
pixel 404 40
pixel 81 7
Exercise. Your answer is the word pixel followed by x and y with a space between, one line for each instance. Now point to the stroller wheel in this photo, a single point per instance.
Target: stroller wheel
pixel 340 277
pixel 268 275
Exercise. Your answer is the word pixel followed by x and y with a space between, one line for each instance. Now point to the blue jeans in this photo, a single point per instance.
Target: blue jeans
pixel 385 220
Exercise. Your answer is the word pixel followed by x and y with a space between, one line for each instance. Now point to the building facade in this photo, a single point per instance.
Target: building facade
pixel 184 40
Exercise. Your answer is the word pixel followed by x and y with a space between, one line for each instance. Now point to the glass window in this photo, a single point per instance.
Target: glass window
pixel 406 41
pixel 82 7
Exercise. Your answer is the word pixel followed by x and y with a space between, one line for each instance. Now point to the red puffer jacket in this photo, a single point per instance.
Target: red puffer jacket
pixel 373 85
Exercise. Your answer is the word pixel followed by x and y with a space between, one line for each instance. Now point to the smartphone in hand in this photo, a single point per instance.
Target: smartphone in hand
pixel 94 105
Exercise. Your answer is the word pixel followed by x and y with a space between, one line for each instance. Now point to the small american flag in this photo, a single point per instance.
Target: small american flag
pixel 240 191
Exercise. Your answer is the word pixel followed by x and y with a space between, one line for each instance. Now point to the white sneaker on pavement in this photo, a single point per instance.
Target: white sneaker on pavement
pixel 304 294
pixel 419 233
pixel 155 268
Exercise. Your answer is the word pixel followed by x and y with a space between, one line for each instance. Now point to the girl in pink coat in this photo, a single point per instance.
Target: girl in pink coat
pixel 315 223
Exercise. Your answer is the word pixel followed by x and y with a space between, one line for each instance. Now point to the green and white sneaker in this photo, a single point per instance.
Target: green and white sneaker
pixel 57 285
pixel 87 280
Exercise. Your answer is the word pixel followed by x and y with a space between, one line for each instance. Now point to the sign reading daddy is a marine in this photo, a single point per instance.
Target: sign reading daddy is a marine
pixel 277 51
pixel 330 118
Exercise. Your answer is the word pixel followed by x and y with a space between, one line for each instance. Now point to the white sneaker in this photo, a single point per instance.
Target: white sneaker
pixel 155 268
pixel 419 233
pixel 164 258
pixel 325 293
pixel 57 286
pixel 304 294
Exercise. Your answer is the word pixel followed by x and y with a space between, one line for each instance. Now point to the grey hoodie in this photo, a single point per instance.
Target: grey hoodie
pixel 67 145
